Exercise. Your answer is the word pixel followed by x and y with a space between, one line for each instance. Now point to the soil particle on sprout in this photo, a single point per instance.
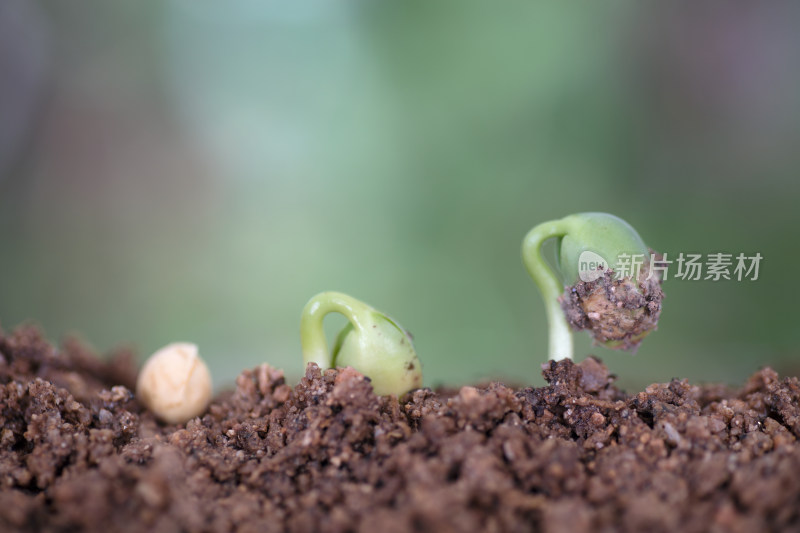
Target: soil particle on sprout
pixel 77 452
pixel 619 311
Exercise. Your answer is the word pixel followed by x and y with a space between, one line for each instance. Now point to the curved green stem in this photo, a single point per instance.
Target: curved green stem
pixel 560 342
pixel 312 334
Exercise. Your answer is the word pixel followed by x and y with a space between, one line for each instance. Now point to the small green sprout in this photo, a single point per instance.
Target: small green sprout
pixel 371 343
pixel 619 311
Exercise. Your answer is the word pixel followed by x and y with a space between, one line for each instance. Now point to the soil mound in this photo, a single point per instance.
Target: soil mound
pixel 77 452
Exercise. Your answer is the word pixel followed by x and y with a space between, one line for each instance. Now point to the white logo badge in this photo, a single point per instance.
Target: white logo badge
pixel 591 266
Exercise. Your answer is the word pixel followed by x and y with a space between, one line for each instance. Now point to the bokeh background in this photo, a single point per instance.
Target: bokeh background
pixel 194 170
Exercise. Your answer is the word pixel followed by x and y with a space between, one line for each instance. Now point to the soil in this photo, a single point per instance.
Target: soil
pixel 618 313
pixel 77 452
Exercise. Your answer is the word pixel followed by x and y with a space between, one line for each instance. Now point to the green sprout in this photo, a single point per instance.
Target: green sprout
pixel 371 343
pixel 618 310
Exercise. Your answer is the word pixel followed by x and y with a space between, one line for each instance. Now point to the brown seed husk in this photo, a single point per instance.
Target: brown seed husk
pixel 617 312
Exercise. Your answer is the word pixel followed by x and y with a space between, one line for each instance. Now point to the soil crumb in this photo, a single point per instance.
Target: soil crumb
pixel 78 453
pixel 618 313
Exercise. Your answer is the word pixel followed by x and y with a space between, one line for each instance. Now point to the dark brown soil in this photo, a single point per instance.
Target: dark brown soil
pixel 78 453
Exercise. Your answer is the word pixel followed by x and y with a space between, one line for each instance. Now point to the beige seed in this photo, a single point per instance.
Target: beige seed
pixel 175 383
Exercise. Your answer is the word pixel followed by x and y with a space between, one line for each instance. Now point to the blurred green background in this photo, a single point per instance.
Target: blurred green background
pixel 193 170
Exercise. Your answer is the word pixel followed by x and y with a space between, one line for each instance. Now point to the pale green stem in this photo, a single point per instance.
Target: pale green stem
pixel 560 341
pixel 312 334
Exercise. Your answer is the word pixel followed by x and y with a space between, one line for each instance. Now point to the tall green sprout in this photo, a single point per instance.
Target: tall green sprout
pixel 620 312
